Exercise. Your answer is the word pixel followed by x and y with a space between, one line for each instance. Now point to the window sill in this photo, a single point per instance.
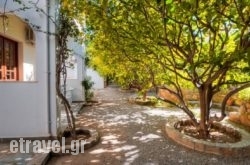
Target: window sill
pixel 18 81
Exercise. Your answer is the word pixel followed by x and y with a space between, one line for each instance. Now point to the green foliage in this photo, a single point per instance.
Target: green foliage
pixel 88 84
pixel 114 53
pixel 18 1
pixel 244 94
pixel 198 44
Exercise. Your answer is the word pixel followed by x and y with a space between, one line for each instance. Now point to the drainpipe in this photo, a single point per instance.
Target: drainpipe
pixel 48 70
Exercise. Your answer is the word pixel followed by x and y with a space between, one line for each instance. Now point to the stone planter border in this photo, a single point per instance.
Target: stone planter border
pixel 241 148
pixel 90 142
pixel 135 100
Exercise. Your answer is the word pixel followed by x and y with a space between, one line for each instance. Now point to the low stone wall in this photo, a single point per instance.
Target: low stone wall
pixel 194 95
pixel 242 116
pixel 188 95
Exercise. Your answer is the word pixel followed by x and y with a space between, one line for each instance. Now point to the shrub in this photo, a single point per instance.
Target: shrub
pixel 88 84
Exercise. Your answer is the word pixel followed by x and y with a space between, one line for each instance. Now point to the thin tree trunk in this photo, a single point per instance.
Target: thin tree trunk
pixel 209 96
pixel 203 129
pixel 144 96
pixel 69 113
pixel 182 104
pixel 62 54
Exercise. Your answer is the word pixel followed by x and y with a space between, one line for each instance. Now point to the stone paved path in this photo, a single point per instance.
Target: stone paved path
pixel 132 135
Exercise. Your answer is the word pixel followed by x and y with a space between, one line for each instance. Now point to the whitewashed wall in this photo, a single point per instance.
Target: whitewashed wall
pixel 24 105
pixel 96 78
pixel 76 74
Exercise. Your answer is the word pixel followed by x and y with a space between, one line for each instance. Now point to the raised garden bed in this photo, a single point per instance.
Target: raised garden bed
pixel 149 101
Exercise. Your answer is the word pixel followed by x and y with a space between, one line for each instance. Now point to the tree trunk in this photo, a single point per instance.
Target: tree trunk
pixel 69 112
pixel 144 96
pixel 209 96
pixel 203 128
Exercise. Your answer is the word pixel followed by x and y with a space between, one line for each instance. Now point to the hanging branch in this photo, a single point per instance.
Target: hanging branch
pixel 3 15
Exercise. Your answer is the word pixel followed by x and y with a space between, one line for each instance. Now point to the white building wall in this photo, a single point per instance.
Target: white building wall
pixel 96 78
pixel 76 74
pixel 24 110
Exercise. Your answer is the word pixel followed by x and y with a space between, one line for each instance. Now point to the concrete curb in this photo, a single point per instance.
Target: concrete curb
pixel 39 159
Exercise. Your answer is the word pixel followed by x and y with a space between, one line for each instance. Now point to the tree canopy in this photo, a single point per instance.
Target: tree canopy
pixel 194 43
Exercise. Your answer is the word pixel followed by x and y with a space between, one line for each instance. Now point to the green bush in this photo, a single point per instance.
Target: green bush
pixel 87 85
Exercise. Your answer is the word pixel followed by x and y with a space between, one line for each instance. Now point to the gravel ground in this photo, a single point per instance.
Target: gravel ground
pixel 133 135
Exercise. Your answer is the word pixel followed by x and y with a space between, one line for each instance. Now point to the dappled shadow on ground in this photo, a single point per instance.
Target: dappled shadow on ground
pixel 8 158
pixel 133 134
pixel 125 129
